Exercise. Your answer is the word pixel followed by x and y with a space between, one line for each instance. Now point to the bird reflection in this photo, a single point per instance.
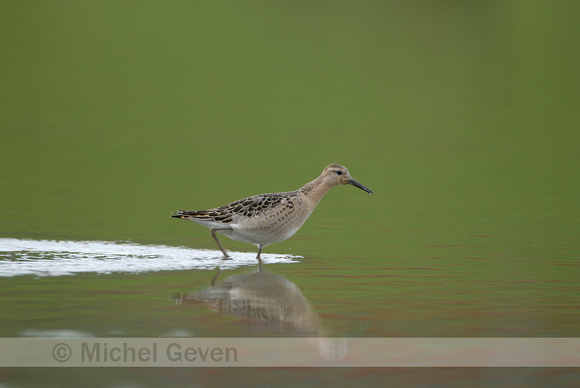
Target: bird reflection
pixel 261 300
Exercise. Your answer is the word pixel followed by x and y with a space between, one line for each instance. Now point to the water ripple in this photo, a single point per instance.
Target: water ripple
pixel 57 258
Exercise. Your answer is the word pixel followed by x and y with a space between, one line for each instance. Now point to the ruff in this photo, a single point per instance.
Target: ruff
pixel 268 218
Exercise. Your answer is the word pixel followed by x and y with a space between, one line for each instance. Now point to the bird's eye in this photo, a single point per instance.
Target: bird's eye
pixel 338 172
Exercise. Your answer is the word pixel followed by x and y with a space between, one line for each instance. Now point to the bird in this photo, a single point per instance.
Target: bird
pixel 264 219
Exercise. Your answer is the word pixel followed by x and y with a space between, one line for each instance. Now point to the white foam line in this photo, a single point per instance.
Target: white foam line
pixel 57 258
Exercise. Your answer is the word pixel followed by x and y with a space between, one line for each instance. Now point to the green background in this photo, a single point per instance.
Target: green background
pixel 462 117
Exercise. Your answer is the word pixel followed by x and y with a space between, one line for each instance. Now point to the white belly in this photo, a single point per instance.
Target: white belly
pixel 267 228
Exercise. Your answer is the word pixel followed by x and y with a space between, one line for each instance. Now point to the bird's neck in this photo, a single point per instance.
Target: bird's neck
pixel 314 191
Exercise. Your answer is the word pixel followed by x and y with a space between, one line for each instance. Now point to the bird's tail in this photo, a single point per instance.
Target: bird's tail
pixel 182 214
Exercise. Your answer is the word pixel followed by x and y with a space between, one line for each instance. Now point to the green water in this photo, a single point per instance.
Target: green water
pixel 461 117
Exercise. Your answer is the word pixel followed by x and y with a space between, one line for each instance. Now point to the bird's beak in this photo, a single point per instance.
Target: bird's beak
pixel 359 185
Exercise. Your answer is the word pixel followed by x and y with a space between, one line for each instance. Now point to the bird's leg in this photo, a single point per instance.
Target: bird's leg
pixel 258 257
pixel 212 231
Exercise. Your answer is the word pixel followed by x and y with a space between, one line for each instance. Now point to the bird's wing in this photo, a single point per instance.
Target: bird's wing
pixel 246 207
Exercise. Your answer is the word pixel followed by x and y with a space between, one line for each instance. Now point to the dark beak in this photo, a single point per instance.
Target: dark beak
pixel 360 186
